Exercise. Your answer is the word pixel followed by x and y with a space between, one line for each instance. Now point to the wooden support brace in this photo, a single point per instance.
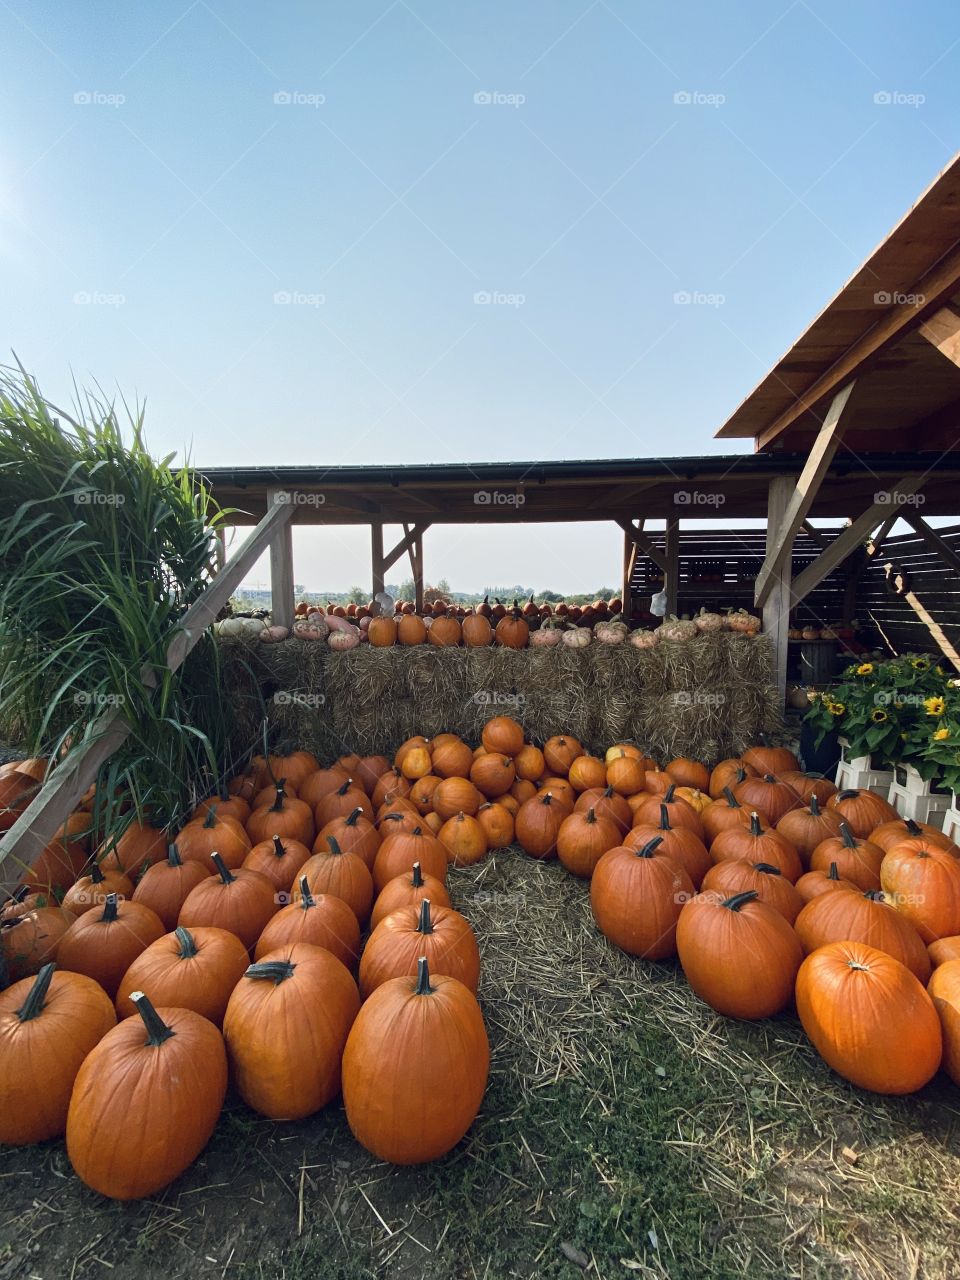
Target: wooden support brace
pixel 934 541
pixel 410 537
pixel 943 330
pixel 282 603
pixel 649 549
pixel 376 557
pixel 780 549
pixel 776 608
pixel 671 580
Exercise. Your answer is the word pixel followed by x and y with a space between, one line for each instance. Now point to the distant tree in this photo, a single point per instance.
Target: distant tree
pixel 605 593
pixel 406 590
pixel 298 589
pixel 443 586
pixel 552 597
pixel 356 595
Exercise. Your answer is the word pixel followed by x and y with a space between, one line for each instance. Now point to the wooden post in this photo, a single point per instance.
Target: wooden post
pixel 416 562
pixel 376 555
pixel 776 608
pixel 220 547
pixel 282 602
pixel 629 560
pixel 672 556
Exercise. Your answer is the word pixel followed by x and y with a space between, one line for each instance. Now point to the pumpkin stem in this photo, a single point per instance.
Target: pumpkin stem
pixel 849 839
pixel 740 900
pixel 741 775
pixel 755 827
pixel 912 827
pixel 767 869
pixel 875 895
pixel 547 798
pixel 342 791
pixel 664 817
pixel 417 831
pixel 423 987
pixel 278 848
pixel 188 946
pixel 109 909
pixel 768 777
pixel 275 971
pixel 224 792
pixel 306 897
pixel 211 819
pixel 277 805
pixel 351 821
pixel 815 805
pixel 650 848
pixel 417 877
pixel 96 875
pixel 425 924
pixel 732 801
pixel 334 846
pixel 608 794
pixel 591 816
pixel 848 795
pixel 173 856
pixel 669 792
pixel 833 873
pixel 226 875
pixel 32 1007
pixel 157 1029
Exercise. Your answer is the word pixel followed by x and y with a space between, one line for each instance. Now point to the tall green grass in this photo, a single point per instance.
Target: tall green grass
pixel 102 550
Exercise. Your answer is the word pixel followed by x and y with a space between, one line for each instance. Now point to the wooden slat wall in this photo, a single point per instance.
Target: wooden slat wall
pixel 882 610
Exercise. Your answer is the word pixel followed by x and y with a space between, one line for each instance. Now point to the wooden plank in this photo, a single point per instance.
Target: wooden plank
pixel 416 561
pixel 629 561
pixel 933 539
pixel 935 287
pixel 282 602
pixel 943 330
pixel 848 541
pixel 937 634
pixel 814 470
pixel 649 549
pixel 814 534
pixel 406 542
pixel 671 577
pixel 376 557
pixel 776 608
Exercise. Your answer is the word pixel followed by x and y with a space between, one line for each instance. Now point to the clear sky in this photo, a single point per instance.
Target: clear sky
pixel 273 223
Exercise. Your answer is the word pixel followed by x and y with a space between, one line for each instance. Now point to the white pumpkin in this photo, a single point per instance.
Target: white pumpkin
pixel 338 639
pixel 545 638
pixel 644 639
pixel 314 629
pixel 705 621
pixel 230 627
pixel 273 635
pixel 610 632
pixel 680 629
pixel 576 637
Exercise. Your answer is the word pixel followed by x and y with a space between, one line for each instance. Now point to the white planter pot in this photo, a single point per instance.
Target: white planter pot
pixel 857 773
pixel 914 798
pixel 951 819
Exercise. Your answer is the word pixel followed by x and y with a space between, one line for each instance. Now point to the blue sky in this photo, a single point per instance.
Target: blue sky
pixel 171 173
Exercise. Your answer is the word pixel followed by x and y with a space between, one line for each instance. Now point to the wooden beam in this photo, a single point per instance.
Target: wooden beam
pixel 376 557
pixel 934 541
pixel 282 603
pixel 935 286
pixel 671 581
pixel 847 542
pixel 649 549
pixel 816 467
pixel 943 330
pixel 626 491
pixel 815 534
pixel 936 631
pixel 416 564
pixel 629 560
pixel 776 608
pixel 403 546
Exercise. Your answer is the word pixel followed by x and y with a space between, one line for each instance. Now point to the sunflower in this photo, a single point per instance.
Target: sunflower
pixel 865 669
pixel 920 664
pixel 837 708
pixel 940 734
pixel 878 716
pixel 934 706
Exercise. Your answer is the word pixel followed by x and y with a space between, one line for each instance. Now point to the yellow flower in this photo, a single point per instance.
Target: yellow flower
pixel 934 706
pixel 878 716
pixel 920 664
pixel 837 708
pixel 865 668
pixel 940 734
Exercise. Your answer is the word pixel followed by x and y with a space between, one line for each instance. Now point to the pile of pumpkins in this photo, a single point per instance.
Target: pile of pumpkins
pixel 232 949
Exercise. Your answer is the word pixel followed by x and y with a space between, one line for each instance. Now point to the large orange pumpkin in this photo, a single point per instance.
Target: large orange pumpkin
pixel 724 813
pixel 758 845
pixel 456 795
pixel 924 884
pixel 847 916
pixel 288 818
pixel 636 896
pixel 868 1017
pixel 728 773
pixel 862 810
pixel 164 886
pixel 768 795
pixel 354 833
pixel 445 632
pixel 502 735
pixel 401 938
pixel 408 889
pixel 813 883
pixel 770 759
pixel 497 823
pixel 736 875
pixel 344 875
pixel 411 629
pixel 103 944
pixel 559 753
pixel 944 991
pixel 538 823
pixel 898 830
pixel 33 938
pixel 321 921
pixel 583 838
pixel 857 860
pixel 464 839
pixel 689 773
pixel 197 840
pixel 587 771
pixel 240 901
pixel 806 828
pixel 186 969
pixel 279 860
pixel 382 632
pixel 399 852
pixel 452 759
pixel 90 891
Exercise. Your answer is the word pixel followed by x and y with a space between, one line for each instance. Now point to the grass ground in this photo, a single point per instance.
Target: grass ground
pixel 626 1131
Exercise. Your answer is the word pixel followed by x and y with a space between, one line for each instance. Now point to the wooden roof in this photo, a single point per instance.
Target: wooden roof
pixel 907 395
pixel 729 487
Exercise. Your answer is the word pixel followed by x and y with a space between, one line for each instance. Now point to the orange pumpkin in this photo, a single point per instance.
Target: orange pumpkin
pixel 464 839
pixel 321 920
pixel 344 875
pixel 503 736
pixel 401 938
pixel 408 889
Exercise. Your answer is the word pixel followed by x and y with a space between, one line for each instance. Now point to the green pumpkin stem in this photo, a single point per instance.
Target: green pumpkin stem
pixel 334 846
pixel 32 1007
pixel 423 987
pixel 425 924
pixel 224 792
pixel 668 795
pixel 664 817
pixel 912 827
pixel 650 848
pixel 767 869
pixel 188 946
pixel 226 875
pixel 306 897
pixel 417 831
pixel 109 909
pixel 741 775
pixel 740 900
pixel 278 849
pixel 277 806
pixel 351 821
pixel 732 800
pixel 591 816
pixel 157 1029
pixel 815 805
pixel 833 873
pixel 210 820
pixel 755 827
pixel 96 875
pixel 417 881
pixel 275 971
pixel 847 836
pixel 173 856
pixel 342 790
